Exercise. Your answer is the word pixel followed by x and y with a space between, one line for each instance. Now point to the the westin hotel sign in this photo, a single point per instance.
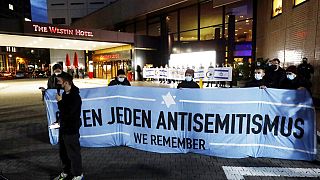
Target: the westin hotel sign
pixel 53 30
pixel 64 31
pixel 70 32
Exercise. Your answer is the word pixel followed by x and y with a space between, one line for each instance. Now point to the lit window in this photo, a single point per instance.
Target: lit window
pixel 276 7
pixel 297 2
pixel 11 7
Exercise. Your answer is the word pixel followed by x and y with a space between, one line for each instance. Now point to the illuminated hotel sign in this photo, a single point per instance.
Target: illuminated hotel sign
pixel 113 56
pixel 71 32
pixel 109 56
pixel 63 31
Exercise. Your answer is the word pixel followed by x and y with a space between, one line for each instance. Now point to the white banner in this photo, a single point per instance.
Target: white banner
pixel 206 74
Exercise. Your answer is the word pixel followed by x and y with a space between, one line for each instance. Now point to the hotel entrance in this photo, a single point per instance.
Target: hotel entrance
pixel 108 61
pixel 108 70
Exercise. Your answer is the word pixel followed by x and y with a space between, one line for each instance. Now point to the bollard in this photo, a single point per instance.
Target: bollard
pixel 201 83
pixel 108 81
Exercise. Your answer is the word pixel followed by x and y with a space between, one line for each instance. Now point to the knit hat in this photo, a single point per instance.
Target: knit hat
pixel 189 71
pixel 56 66
pixel 292 69
pixel 120 72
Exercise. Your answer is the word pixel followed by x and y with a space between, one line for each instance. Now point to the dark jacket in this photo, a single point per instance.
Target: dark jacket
pixel 257 83
pixel 188 84
pixel 305 70
pixel 275 78
pixel 70 111
pixel 53 82
pixel 117 82
pixel 296 83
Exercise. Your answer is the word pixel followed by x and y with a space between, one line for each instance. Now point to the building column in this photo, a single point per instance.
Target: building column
pixel 254 30
pixel 231 44
pixel 231 38
pixel 164 31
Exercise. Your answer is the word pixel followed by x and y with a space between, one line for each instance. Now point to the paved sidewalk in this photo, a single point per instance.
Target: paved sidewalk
pixel 3 85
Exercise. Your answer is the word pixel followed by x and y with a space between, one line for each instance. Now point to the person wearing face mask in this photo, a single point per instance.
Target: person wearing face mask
pixel 69 105
pixel 52 80
pixel 305 69
pixel 121 79
pixel 188 82
pixel 259 79
pixel 294 80
pixel 276 75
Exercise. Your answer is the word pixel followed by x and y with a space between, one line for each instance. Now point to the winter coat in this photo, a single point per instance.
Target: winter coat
pixel 188 84
pixel 70 111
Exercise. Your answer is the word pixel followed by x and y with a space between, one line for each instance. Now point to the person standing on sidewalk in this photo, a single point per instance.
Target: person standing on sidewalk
pixel 69 105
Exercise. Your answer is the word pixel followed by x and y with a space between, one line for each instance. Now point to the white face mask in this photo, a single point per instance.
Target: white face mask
pixel 57 73
pixel 121 79
pixel 258 76
pixel 291 76
pixel 188 78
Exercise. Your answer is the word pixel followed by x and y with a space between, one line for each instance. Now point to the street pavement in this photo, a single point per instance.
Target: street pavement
pixel 26 153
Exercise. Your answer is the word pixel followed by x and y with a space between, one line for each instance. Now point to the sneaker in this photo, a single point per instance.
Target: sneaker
pixel 62 176
pixel 78 177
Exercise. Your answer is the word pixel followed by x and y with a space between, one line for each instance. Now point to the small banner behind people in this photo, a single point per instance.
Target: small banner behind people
pixel 232 123
pixel 206 74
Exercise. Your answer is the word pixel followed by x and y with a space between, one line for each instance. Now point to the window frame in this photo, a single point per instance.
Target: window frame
pixel 52 19
pixel 58 4
pixel 272 16
pixel 296 5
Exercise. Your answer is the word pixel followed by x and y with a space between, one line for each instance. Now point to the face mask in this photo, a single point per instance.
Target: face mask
pixel 57 73
pixel 274 67
pixel 291 76
pixel 258 76
pixel 188 78
pixel 121 79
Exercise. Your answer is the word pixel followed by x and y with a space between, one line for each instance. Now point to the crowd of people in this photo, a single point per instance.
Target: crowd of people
pixel 265 75
pixel 269 75
pixel 272 75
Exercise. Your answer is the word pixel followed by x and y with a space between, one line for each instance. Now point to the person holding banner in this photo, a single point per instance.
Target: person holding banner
pixel 69 105
pixel 295 81
pixel 259 79
pixel 121 79
pixel 210 70
pixel 188 82
pixel 276 75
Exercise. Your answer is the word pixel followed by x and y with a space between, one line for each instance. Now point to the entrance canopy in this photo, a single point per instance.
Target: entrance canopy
pixel 49 36
pixel 54 43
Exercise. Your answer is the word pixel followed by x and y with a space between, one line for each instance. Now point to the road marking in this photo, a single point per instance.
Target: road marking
pixel 238 173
